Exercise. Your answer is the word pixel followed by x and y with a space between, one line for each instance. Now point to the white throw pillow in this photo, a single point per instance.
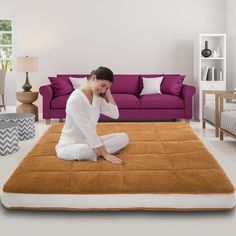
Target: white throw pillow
pixel 78 82
pixel 151 85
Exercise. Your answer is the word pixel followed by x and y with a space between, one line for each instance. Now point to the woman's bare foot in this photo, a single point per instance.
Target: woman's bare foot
pixel 113 159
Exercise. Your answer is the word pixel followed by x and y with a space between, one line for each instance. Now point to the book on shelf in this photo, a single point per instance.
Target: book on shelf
pixel 212 74
pixel 204 73
pixel 217 78
pixel 221 75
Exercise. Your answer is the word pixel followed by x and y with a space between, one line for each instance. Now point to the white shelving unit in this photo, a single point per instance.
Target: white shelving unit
pixel 202 63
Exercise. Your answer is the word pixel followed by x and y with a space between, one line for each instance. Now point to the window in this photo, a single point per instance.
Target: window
pixel 6 45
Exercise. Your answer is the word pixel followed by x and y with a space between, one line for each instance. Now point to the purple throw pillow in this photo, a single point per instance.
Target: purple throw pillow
pixel 61 86
pixel 172 84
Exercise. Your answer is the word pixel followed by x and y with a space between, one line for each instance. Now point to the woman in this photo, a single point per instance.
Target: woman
pixel 79 140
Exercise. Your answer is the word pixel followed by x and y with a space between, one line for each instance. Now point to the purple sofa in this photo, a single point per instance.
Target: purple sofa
pixel 125 90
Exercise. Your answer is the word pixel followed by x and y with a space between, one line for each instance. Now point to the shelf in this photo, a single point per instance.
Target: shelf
pixel 212 58
pixel 212 81
pixel 212 35
pixel 216 42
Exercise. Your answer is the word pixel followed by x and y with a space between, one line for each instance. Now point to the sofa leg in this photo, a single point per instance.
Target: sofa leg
pixel 61 120
pixel 187 120
pixel 203 124
pixel 221 135
pixel 47 121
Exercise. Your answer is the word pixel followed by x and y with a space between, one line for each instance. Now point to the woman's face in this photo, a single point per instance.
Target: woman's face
pixel 100 86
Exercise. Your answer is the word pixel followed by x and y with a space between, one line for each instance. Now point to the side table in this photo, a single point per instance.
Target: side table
pixel 27 98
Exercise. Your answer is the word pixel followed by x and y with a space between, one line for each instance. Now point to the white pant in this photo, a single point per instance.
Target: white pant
pixel 79 151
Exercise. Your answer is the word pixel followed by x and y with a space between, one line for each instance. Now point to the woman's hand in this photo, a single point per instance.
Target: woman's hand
pixel 98 152
pixel 108 92
pixel 108 97
pixel 102 152
pixel 113 159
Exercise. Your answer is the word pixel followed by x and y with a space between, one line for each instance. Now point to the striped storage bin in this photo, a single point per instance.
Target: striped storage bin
pixel 25 121
pixel 228 121
pixel 209 113
pixel 8 138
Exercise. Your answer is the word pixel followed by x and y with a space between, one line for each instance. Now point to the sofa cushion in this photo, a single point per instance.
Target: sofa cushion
pixel 172 84
pixel 228 121
pixel 78 82
pixel 146 76
pixel 122 101
pixel 61 86
pixel 72 75
pixel 161 101
pixel 59 102
pixel 126 101
pixel 125 84
pixel 151 85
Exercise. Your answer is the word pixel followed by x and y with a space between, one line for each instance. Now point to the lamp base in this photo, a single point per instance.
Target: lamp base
pixel 27 86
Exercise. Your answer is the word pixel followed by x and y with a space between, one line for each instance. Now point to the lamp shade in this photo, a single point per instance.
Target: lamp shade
pixel 27 64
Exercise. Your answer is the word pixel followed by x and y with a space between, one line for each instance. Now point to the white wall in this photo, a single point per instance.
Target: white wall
pixel 231 44
pixel 128 36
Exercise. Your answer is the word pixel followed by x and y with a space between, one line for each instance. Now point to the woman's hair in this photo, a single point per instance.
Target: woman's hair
pixel 103 73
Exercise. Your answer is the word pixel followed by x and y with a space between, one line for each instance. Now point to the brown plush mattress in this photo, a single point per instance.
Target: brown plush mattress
pixel 166 167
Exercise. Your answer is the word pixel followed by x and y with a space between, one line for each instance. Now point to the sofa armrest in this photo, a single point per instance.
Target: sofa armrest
pixel 187 93
pixel 47 94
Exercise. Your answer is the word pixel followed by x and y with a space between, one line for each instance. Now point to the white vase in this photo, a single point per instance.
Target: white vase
pixel 214 54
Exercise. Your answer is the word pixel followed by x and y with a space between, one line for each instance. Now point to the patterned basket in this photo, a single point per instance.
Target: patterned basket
pixel 8 138
pixel 25 121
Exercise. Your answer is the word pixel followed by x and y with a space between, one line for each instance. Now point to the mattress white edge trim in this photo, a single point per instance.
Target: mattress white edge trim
pixel 86 201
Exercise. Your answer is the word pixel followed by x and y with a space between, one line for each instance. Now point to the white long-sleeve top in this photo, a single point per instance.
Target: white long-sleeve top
pixel 82 117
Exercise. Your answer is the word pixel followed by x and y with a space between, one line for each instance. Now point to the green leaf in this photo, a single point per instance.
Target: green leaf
pixel 6 64
pixel 5 38
pixel 5 25
pixel 5 52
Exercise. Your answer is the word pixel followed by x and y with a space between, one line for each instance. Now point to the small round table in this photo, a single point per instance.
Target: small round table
pixel 8 138
pixel 25 121
pixel 27 98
